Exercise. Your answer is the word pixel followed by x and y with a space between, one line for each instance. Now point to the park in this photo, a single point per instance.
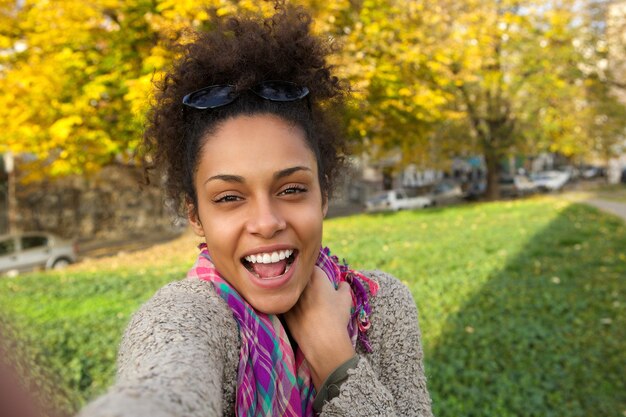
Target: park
pixel 520 302
pixel 520 288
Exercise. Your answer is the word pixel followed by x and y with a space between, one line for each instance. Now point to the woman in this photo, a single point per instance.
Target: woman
pixel 266 323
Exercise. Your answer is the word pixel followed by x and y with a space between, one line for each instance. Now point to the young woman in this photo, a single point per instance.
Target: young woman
pixel 266 323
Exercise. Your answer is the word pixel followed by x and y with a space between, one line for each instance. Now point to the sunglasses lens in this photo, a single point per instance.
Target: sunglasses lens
pixel 221 95
pixel 280 91
pixel 210 97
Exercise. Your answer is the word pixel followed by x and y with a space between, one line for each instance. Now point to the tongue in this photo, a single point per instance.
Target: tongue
pixel 270 270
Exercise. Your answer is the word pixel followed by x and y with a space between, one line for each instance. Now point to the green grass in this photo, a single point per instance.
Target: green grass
pixel 521 305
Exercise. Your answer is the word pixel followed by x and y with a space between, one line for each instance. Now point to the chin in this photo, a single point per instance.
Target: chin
pixel 275 305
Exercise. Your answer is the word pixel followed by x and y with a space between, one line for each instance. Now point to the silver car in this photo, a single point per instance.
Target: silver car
pixel 34 250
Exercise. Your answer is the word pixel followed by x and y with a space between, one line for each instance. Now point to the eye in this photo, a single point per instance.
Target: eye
pixel 293 189
pixel 227 198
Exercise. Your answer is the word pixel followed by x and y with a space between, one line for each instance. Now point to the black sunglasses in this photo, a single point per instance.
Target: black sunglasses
pixel 220 95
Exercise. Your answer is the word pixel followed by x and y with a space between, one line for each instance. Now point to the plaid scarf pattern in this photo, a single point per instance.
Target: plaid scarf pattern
pixel 271 379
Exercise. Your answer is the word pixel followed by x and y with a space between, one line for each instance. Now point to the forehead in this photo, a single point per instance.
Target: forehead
pixel 253 145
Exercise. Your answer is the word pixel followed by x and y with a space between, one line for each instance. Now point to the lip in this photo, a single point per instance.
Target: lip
pixel 273 283
pixel 268 249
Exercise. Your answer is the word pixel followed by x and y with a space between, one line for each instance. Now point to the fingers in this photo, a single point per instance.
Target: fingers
pixel 321 289
pixel 345 294
pixel 319 276
pixel 343 287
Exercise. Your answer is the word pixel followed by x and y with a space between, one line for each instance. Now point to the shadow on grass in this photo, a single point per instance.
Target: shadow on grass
pixel 546 335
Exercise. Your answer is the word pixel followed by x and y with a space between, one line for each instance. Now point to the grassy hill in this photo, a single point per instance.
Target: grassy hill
pixel 521 305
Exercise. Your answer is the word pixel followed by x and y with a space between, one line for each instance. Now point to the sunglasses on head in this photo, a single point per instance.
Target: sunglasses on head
pixel 220 95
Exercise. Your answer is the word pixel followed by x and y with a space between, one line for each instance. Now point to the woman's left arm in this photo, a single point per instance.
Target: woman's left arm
pixel 390 381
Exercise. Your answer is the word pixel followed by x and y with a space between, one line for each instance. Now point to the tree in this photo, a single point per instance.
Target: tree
pixel 394 110
pixel 431 79
pixel 493 77
pixel 605 114
pixel 76 77
pixel 513 72
pixel 67 78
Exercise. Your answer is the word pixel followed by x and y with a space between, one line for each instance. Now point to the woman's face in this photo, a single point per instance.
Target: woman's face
pixel 260 209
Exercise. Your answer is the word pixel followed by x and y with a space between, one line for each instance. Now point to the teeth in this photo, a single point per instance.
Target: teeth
pixel 269 258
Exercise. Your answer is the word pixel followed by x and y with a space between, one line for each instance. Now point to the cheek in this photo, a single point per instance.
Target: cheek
pixel 220 236
pixel 314 225
pixel 314 233
pixel 220 241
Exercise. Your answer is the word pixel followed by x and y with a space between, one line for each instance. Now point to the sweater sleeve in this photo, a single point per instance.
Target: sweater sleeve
pixel 173 357
pixel 390 381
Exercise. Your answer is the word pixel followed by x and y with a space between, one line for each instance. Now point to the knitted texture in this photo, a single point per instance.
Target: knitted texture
pixel 180 353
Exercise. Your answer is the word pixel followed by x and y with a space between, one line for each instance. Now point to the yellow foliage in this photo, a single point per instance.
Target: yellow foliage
pixel 81 86
pixel 61 129
pixel 139 93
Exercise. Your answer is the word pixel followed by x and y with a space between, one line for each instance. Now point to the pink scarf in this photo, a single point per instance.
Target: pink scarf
pixel 271 379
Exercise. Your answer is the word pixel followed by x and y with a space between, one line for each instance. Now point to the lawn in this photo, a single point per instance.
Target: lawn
pixel 521 305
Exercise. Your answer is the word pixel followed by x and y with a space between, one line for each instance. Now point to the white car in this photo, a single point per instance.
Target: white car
pixel 550 180
pixel 516 186
pixel 590 172
pixel 395 200
pixel 34 250
pixel 445 192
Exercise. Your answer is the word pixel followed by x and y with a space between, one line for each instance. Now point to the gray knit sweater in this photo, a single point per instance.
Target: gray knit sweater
pixel 180 352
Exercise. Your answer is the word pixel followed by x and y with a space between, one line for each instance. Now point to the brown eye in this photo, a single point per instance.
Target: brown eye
pixel 229 198
pixel 293 189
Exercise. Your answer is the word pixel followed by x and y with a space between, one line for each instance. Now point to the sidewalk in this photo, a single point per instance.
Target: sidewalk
pixel 613 207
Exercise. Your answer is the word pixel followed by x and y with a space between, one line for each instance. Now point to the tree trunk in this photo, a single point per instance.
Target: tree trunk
pixel 12 202
pixel 493 175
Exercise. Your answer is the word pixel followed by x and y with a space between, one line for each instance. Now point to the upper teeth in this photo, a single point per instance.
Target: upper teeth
pixel 269 258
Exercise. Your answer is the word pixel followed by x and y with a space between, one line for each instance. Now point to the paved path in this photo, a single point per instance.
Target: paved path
pixel 613 207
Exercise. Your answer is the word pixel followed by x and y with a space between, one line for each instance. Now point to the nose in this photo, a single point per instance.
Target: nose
pixel 265 219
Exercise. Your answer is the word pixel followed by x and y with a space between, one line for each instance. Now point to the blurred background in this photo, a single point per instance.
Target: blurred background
pixel 490 118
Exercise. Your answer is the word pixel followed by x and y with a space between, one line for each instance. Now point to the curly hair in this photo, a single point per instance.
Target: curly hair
pixel 243 52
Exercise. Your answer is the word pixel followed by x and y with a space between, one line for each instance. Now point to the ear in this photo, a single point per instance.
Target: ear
pixel 324 204
pixel 194 220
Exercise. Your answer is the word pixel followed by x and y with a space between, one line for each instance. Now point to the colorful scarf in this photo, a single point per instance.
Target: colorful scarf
pixel 271 380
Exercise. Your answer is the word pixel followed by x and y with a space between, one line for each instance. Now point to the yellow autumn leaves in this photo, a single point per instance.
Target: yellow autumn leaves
pixel 76 77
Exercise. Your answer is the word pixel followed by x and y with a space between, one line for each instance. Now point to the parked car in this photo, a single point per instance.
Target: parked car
pixel 590 171
pixel 475 190
pixel 445 192
pixel 516 186
pixel 395 200
pixel 550 180
pixel 33 250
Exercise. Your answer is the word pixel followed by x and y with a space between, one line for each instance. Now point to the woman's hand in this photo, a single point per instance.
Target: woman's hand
pixel 319 324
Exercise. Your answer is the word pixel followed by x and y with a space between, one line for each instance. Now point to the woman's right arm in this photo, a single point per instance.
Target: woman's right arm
pixel 176 353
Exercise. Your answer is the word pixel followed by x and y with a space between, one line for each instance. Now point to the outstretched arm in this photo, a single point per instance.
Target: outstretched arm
pixel 173 357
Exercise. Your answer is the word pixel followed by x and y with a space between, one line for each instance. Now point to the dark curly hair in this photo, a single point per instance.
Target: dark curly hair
pixel 243 52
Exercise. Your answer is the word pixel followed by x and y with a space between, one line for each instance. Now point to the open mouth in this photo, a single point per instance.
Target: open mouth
pixel 270 265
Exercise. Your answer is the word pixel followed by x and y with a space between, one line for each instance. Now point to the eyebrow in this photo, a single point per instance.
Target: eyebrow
pixel 227 178
pixel 287 172
pixel 241 180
